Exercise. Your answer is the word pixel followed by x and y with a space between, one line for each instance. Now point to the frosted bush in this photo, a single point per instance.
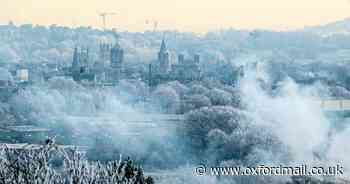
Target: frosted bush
pixel 28 166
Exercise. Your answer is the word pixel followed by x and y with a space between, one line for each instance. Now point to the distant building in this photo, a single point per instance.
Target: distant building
pixel 116 60
pixel 159 71
pixel 105 51
pixel 80 69
pixel 114 56
pixel 22 75
pixel 99 72
pixel 163 70
pixel 186 70
pixel 163 62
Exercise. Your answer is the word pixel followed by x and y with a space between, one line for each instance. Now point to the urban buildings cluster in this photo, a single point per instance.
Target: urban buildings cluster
pixel 162 70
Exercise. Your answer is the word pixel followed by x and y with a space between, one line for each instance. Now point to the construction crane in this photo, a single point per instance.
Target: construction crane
pixel 154 22
pixel 104 15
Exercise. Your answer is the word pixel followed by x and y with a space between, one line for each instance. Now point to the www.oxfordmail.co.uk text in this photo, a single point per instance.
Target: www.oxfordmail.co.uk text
pixel 262 170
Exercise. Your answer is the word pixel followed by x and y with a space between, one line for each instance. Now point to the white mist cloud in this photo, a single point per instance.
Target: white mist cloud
pixel 291 115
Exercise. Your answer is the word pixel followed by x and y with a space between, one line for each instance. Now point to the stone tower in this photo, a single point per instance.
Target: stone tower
pixel 104 52
pixel 80 64
pixel 116 56
pixel 80 59
pixel 116 59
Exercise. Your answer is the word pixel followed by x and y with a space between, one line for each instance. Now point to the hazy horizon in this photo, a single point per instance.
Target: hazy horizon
pixel 182 15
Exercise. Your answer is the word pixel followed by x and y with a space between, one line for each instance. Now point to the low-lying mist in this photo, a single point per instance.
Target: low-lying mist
pixel 293 114
pixel 271 127
pixel 109 120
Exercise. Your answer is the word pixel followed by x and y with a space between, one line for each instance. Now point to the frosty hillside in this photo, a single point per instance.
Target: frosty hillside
pixel 168 101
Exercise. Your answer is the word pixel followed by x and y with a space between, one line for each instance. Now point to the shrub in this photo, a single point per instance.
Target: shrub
pixel 200 122
pixel 193 102
pixel 221 133
pixel 27 166
pixel 219 97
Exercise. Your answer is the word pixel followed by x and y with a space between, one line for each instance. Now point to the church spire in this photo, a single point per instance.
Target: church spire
pixel 163 46
pixel 76 59
pixel 163 58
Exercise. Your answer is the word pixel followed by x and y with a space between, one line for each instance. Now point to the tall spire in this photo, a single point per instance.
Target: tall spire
pixel 75 63
pixel 75 54
pixel 163 58
pixel 163 46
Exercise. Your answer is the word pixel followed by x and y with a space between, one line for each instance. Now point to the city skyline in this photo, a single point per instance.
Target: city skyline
pixel 194 15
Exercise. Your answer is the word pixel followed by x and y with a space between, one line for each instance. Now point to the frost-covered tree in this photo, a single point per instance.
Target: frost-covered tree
pixel 236 95
pixel 8 55
pixel 195 101
pixel 167 99
pixel 51 164
pixel 222 133
pixel 339 92
pixel 180 89
pixel 219 97
pixel 132 90
pixel 200 122
pixel 198 89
